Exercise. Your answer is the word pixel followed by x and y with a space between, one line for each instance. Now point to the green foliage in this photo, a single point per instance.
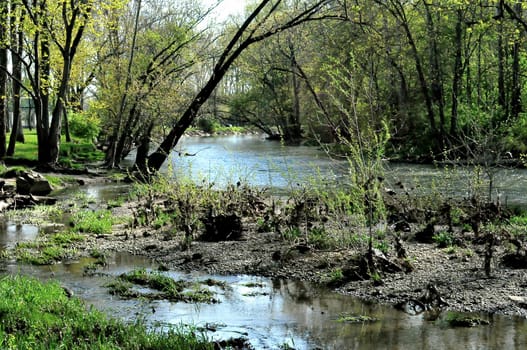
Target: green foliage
pixel 520 220
pixel 291 234
pixel 66 238
pixel 83 125
pixel 169 288
pixel 319 238
pixel 349 318
pixel 184 205
pixel 335 276
pixel 34 315
pixel 444 239
pixel 40 253
pixel 208 125
pixel 114 203
pixel 457 319
pixel 97 222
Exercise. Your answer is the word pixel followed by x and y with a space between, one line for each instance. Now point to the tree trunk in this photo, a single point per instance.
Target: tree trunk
pixel 458 71
pixel 436 75
pixel 397 11
pixel 121 133
pixel 502 95
pixel 516 89
pixel 41 96
pixel 232 51
pixel 3 76
pixel 295 126
pixel 144 149
pixel 67 133
pixel 17 39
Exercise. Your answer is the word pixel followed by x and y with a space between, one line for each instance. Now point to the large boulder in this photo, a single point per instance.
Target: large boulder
pixel 30 182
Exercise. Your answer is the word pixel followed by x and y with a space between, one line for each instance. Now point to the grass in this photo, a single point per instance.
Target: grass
pixel 35 315
pixel 53 249
pixel 457 319
pixel 40 254
pixel 167 287
pixel 349 318
pixel 97 222
pixel 443 239
pixel 71 153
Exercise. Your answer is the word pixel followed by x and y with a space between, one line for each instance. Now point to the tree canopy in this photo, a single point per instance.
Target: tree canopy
pixel 444 76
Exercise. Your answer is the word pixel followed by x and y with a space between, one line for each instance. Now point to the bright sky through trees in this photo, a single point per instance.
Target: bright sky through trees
pixel 226 8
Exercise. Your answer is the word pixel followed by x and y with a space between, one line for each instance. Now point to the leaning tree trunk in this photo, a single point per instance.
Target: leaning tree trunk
pixel 3 77
pixel 231 52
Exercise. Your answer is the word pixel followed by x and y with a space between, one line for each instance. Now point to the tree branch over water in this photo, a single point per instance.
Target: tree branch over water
pixel 251 31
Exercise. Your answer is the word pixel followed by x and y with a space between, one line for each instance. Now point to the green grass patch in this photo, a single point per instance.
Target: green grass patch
pixel 66 238
pixel 40 253
pixel 167 287
pixel 520 220
pixel 457 319
pixel 48 249
pixel 35 315
pixel 71 153
pixel 349 318
pixel 443 239
pixel 97 222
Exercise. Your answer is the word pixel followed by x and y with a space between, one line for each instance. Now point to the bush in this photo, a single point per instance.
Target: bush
pixel 84 126
pixel 208 125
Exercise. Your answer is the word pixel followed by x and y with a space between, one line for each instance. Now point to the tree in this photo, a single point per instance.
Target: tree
pixel 4 29
pixel 132 83
pixel 17 43
pixel 255 28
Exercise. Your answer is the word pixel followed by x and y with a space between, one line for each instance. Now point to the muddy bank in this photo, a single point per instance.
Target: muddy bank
pixel 457 273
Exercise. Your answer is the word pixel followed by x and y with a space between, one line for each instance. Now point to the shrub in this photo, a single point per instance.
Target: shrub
pixel 84 126
pixel 208 125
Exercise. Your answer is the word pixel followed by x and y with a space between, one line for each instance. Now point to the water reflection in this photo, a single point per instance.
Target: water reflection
pixel 12 233
pixel 272 313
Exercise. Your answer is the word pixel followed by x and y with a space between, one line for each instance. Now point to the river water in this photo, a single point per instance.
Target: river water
pixel 275 313
pixel 281 168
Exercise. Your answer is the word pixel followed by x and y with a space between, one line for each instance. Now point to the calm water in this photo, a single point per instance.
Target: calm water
pixel 278 312
pixel 281 312
pixel 254 160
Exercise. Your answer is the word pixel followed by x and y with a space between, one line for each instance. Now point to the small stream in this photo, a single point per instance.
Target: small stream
pixel 272 313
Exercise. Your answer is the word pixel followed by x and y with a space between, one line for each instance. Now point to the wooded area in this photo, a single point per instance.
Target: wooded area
pixel 445 77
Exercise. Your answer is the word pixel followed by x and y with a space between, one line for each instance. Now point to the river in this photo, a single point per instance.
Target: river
pixel 280 168
pixel 274 314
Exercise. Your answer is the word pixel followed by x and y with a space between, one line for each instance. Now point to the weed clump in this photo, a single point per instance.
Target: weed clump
pixel 164 287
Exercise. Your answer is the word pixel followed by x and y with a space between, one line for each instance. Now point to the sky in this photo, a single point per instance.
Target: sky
pixel 226 8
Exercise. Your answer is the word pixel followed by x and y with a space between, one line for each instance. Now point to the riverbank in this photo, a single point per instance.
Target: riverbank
pixel 458 275
pixel 457 271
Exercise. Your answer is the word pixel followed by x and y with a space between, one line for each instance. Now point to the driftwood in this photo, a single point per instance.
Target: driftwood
pixel 431 300
pixel 24 201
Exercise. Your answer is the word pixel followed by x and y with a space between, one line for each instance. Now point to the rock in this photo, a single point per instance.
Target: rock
pixel 30 182
pixel 222 227
pixel 5 204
